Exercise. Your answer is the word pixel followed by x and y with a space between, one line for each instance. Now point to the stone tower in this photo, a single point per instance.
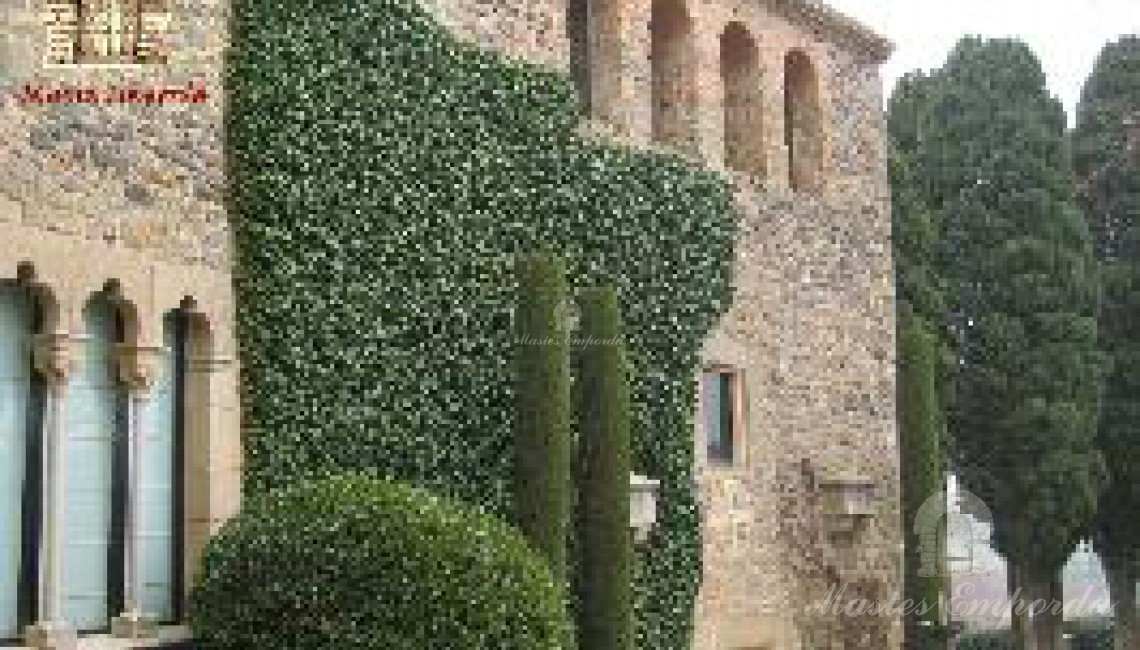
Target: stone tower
pixel 795 428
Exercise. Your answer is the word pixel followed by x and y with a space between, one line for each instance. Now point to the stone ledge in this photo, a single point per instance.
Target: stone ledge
pixel 165 634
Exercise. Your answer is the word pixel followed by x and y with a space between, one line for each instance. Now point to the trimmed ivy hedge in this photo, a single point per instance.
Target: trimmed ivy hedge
pixel 383 178
pixel 353 562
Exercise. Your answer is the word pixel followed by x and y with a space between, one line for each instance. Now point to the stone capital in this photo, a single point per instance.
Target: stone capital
pixel 54 356
pixel 139 365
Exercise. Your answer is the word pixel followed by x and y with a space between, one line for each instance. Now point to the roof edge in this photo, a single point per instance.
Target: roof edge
pixel 850 31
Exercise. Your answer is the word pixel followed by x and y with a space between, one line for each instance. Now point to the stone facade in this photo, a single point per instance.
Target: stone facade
pixel 126 192
pixel 811 329
pixel 131 192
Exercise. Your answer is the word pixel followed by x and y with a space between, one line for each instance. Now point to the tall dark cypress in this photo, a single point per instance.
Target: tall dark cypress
pixel 923 471
pixel 542 411
pixel 1024 276
pixel 606 547
pixel 1106 147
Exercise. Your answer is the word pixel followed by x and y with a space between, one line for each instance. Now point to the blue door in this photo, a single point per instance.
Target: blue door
pixel 92 443
pixel 159 490
pixel 15 383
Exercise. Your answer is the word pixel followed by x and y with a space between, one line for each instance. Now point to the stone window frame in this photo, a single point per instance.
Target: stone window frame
pixel 210 453
pixel 739 417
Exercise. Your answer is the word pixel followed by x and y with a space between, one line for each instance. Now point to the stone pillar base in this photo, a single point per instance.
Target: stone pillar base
pixel 51 636
pixel 132 625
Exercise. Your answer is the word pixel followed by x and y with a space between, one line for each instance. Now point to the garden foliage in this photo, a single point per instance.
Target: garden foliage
pixel 354 562
pixel 384 176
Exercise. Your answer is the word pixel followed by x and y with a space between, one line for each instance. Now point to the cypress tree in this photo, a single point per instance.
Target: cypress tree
pixel 605 606
pixel 999 176
pixel 927 351
pixel 923 471
pixel 1107 160
pixel 542 411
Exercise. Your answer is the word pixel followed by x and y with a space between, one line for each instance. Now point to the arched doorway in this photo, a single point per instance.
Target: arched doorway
pixel 802 121
pixel 743 103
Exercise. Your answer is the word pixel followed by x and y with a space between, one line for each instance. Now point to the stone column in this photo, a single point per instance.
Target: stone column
pixel 138 368
pixel 54 358
pixel 213 451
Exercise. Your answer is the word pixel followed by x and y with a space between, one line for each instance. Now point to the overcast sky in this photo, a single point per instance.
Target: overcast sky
pixel 1067 36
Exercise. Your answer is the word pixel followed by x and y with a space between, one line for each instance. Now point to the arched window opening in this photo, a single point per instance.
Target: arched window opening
pixel 161 488
pixel 743 101
pixel 96 474
pixel 20 418
pixel 802 127
pixel 671 58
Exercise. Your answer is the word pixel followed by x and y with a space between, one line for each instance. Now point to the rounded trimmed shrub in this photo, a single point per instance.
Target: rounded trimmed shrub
pixel 354 562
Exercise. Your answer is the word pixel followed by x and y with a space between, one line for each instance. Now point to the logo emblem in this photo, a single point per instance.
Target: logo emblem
pixel 566 315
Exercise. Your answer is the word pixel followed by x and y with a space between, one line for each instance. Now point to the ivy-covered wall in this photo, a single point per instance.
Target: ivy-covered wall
pixel 383 177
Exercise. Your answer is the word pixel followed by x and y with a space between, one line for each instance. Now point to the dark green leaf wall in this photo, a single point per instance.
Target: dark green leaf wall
pixel 384 176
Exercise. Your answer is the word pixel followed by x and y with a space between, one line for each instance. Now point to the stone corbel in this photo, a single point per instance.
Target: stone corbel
pixel 139 366
pixel 54 356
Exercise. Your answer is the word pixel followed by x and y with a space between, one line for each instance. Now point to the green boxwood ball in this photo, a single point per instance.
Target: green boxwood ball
pixel 354 562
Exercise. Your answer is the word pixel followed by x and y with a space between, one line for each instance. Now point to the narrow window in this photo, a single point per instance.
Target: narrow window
pixel 96 431
pixel 720 393
pixel 161 522
pixel 19 488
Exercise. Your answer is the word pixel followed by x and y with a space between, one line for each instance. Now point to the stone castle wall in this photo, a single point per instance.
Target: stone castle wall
pixel 132 192
pixel 812 323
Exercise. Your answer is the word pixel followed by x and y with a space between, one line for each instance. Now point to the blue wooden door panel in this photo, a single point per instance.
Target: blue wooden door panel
pixel 15 383
pixel 91 434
